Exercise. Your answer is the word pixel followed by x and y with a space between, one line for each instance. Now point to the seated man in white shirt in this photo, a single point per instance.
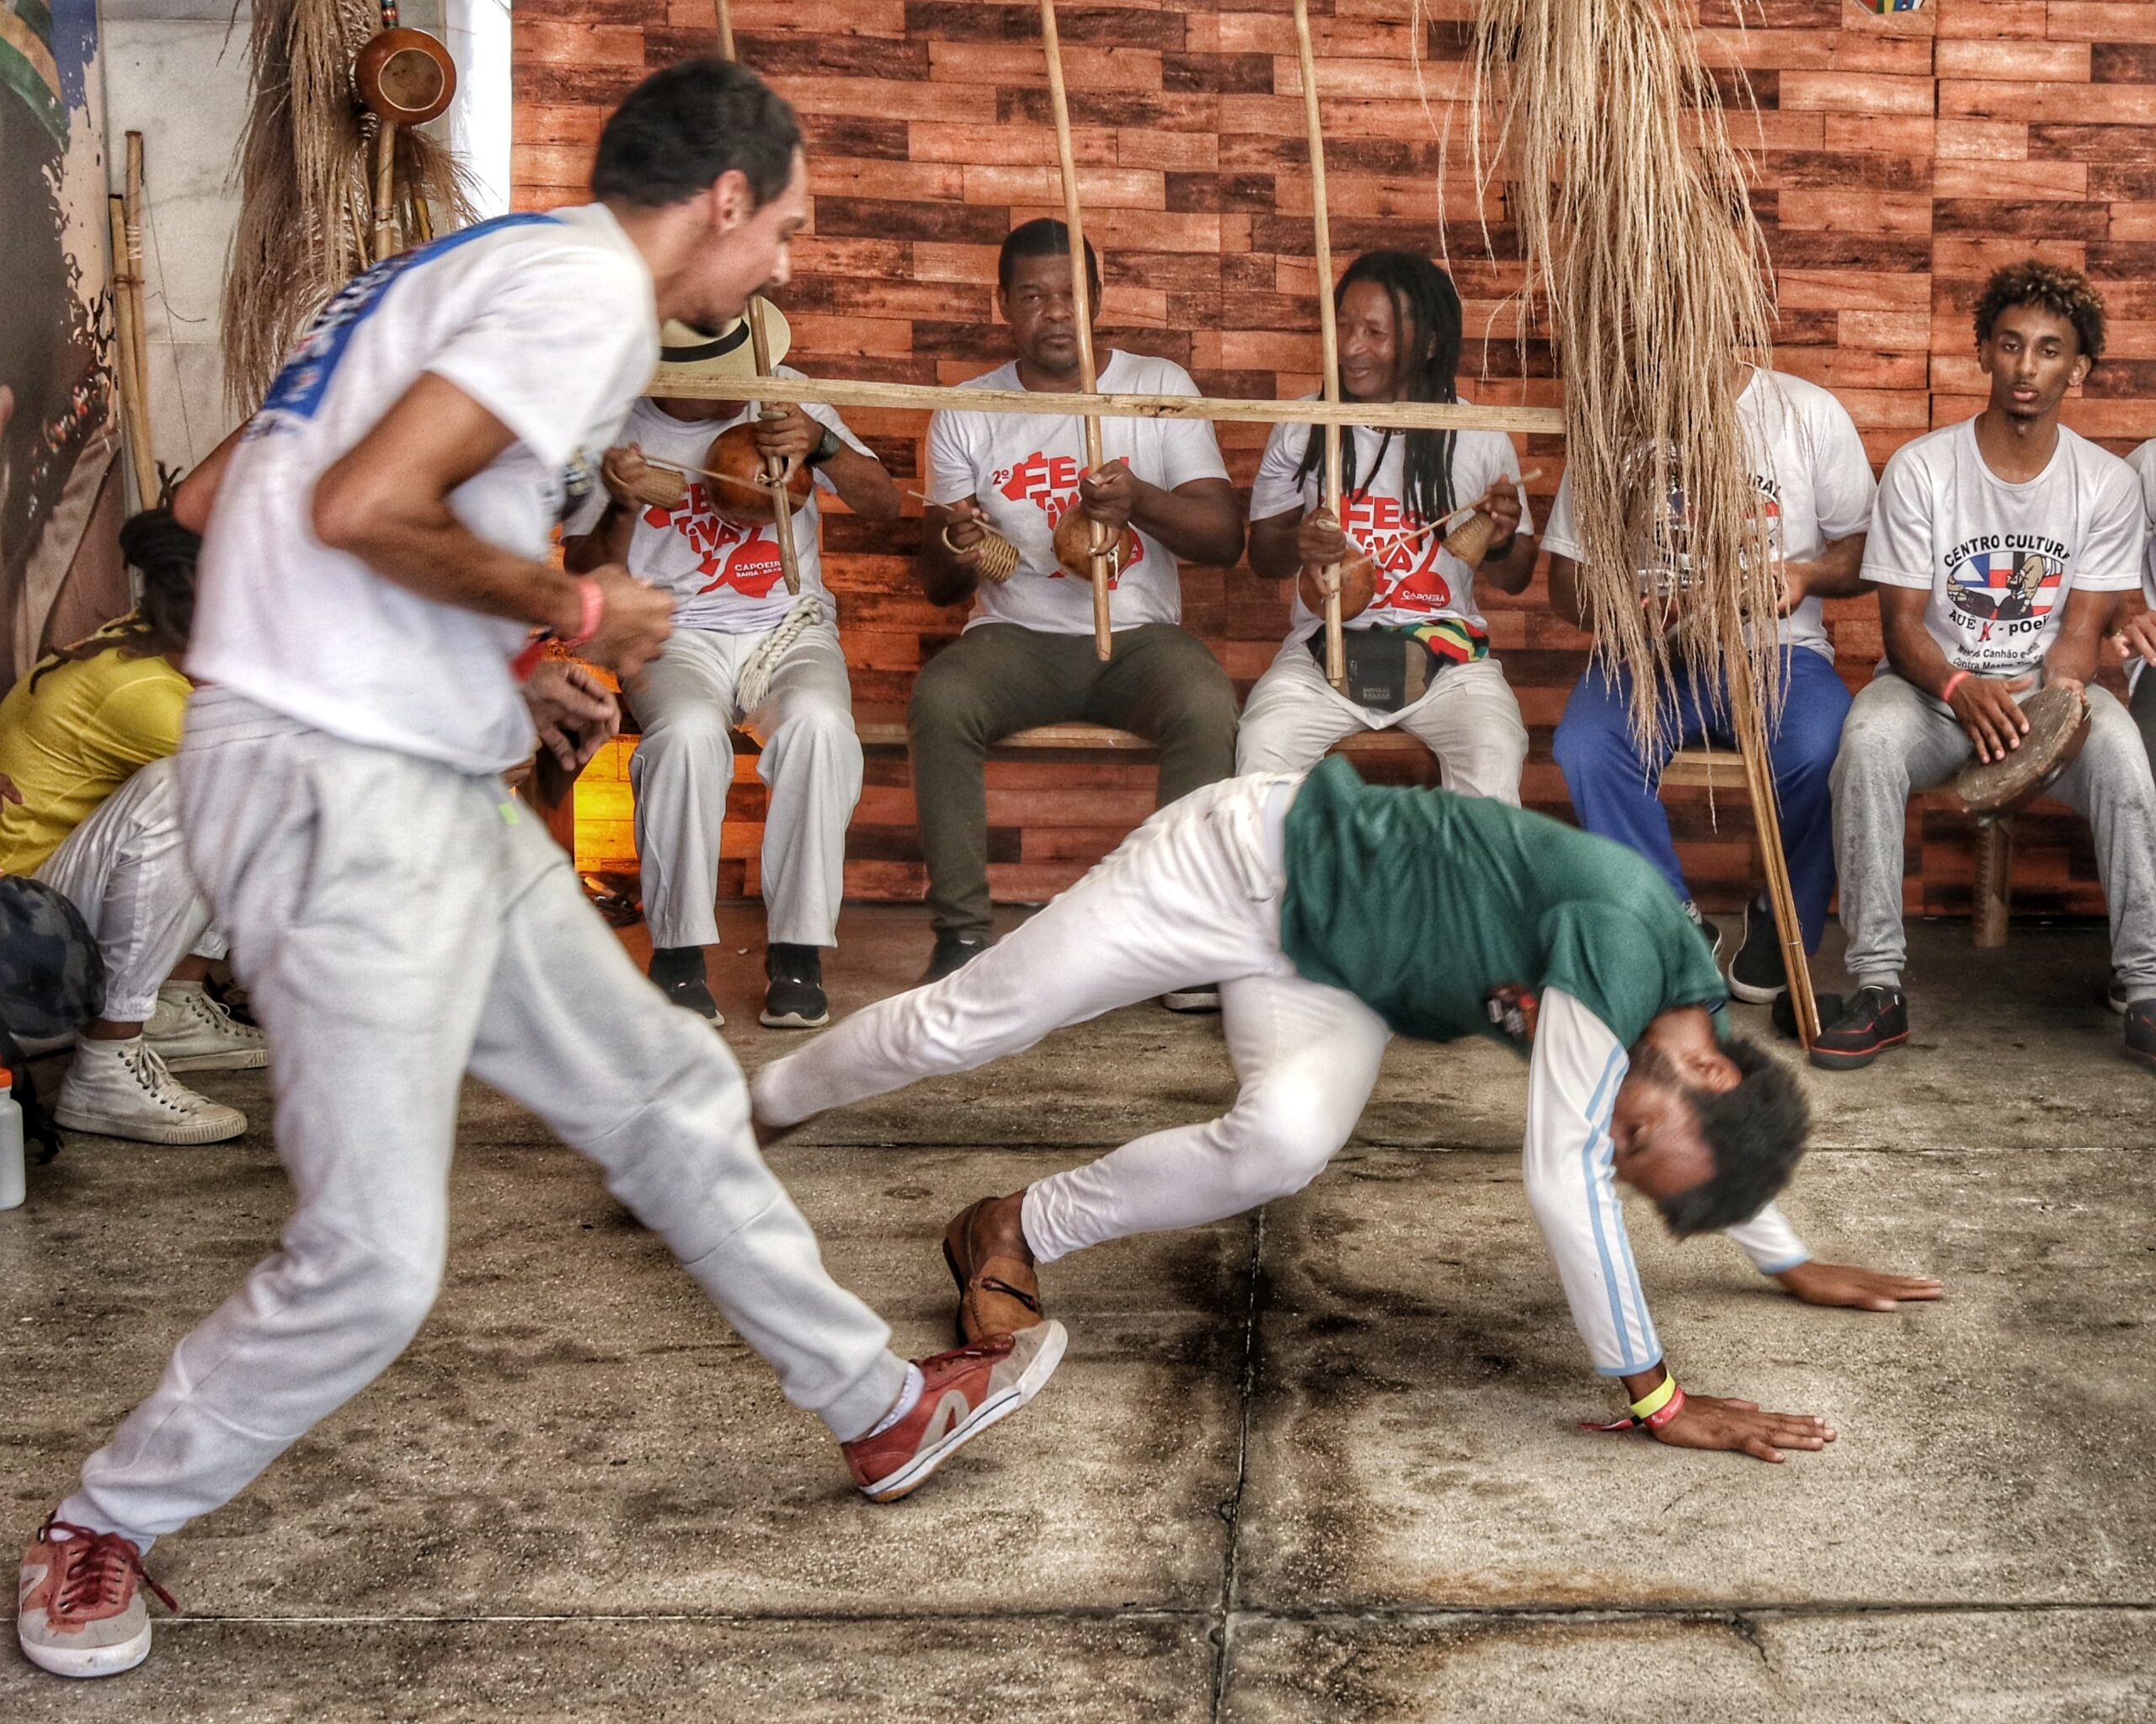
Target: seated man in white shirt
pixel 1417 651
pixel 2000 548
pixel 1027 656
pixel 742 653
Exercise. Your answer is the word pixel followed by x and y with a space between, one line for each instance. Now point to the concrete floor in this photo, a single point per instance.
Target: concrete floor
pixel 1317 1464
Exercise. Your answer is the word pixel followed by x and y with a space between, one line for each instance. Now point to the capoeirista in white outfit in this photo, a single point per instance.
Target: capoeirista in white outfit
pixel 744 654
pixel 1335 916
pixel 397 921
pixel 1466 716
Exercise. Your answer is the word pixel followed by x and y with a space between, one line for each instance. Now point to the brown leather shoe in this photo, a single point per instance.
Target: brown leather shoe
pixel 997 1295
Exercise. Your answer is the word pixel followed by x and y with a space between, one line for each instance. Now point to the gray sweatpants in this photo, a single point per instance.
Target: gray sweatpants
pixel 1896 741
pixel 683 766
pixel 397 921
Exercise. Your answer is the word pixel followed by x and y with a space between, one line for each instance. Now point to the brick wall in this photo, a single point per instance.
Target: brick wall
pixel 1900 159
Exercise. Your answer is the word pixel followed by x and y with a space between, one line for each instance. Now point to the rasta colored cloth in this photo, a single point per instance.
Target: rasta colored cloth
pixel 1432 908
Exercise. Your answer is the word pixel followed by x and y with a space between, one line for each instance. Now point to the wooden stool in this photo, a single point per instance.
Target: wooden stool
pixel 1732 769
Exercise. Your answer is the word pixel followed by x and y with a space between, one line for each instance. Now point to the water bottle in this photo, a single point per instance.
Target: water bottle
pixel 12 1184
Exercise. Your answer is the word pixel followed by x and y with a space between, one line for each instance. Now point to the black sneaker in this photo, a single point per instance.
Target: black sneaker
pixel 1826 1007
pixel 953 952
pixel 1757 974
pixel 2141 1032
pixel 1875 1020
pixel 1708 931
pixel 678 972
pixel 795 999
pixel 1202 997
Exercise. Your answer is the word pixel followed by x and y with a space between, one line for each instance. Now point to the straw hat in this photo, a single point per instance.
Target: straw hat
pixel 685 351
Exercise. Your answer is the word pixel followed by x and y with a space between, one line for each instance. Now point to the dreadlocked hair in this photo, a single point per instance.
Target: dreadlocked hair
pixel 1425 314
pixel 159 625
pixel 2051 287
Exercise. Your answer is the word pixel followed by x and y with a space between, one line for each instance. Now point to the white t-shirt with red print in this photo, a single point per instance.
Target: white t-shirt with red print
pixel 1418 581
pixel 1813 478
pixel 724 577
pixel 1999 558
pixel 1023 470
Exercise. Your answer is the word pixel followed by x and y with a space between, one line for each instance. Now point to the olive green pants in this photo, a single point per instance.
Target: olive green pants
pixel 997 679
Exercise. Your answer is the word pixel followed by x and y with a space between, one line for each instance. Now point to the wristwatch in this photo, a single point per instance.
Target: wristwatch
pixel 827 445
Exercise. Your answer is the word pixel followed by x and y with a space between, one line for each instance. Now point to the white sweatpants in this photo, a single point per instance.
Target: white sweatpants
pixel 1468 719
pixel 396 922
pixel 1193 895
pixel 126 870
pixel 682 768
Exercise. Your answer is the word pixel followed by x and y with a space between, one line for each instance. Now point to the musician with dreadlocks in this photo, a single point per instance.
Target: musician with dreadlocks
pixel 1417 651
pixel 86 739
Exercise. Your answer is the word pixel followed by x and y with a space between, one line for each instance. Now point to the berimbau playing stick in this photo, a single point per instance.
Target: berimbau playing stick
pixel 1766 816
pixel 789 558
pixel 1082 298
pixel 1336 651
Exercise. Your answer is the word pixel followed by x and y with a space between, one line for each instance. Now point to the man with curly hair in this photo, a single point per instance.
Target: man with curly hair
pixel 2000 548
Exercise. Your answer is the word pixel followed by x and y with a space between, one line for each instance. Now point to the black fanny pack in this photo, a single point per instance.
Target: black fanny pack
pixel 1390 668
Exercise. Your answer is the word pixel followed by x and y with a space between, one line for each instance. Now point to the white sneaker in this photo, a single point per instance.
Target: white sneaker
pixel 82 1612
pixel 191 1032
pixel 122 1089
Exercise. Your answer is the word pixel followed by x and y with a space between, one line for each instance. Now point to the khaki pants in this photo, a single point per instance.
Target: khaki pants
pixel 999 678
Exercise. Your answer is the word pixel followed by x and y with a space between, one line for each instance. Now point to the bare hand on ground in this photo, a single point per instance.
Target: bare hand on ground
pixel 1857 1289
pixel 1710 1421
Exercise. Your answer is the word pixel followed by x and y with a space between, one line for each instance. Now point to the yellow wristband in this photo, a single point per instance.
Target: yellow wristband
pixel 1656 1398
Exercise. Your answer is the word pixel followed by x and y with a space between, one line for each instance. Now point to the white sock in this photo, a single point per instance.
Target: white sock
pixel 908 1398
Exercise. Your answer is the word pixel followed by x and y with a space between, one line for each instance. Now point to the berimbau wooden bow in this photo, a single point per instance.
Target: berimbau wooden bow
pixel 760 346
pixel 1082 302
pixel 1336 651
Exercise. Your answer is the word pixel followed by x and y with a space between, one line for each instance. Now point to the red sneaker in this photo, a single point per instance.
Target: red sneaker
pixel 963 1392
pixel 80 1613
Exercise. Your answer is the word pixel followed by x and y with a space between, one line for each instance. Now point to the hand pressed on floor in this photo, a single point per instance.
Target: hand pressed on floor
pixel 1856 1288
pixel 1711 1421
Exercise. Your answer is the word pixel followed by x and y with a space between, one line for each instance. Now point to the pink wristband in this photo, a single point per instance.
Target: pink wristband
pixel 592 599
pixel 1669 1409
pixel 1953 682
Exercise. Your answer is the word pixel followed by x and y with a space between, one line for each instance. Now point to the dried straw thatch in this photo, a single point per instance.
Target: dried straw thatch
pixel 1631 203
pixel 305 201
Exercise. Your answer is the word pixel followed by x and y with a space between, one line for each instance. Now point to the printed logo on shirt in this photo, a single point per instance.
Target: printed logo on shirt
pixel 1513 1009
pixel 744 560
pixel 297 391
pixel 2008 581
pixel 1407 576
pixel 1050 483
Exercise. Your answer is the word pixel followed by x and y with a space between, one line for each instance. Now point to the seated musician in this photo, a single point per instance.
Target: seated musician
pixel 2000 548
pixel 744 652
pixel 2135 641
pixel 1418 653
pixel 1815 484
pixel 1027 654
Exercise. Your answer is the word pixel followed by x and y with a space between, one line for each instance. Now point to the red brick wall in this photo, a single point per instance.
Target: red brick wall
pixel 1899 160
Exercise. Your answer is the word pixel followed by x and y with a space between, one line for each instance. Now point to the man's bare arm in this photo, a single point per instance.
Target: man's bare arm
pixel 387 503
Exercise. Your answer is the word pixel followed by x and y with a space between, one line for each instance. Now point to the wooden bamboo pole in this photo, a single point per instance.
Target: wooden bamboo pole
pixel 1335 650
pixel 385 174
pixel 1081 297
pixel 1748 720
pixel 133 331
pixel 1221 409
pixel 760 346
pixel 126 379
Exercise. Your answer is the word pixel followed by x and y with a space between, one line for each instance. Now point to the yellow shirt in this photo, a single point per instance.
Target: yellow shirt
pixel 76 738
